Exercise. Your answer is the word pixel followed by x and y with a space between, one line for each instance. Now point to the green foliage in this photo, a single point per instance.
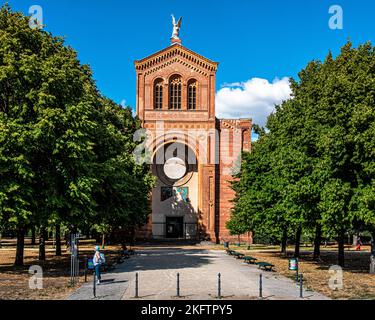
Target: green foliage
pixel 315 163
pixel 122 194
pixel 65 151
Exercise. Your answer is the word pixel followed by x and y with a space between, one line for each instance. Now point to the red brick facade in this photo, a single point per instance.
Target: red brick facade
pixel 221 137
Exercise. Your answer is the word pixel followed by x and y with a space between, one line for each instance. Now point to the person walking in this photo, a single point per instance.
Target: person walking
pixel 359 244
pixel 98 260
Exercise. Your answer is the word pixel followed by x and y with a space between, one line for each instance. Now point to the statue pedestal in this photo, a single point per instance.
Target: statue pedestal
pixel 175 41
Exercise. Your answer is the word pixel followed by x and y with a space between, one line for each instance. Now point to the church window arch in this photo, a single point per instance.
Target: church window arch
pixel 192 89
pixel 158 94
pixel 175 89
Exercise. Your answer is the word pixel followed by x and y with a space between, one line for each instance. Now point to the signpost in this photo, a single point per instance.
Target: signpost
pixel 74 259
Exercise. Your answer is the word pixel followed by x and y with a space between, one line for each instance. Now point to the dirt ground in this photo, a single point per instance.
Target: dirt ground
pixel 357 282
pixel 14 282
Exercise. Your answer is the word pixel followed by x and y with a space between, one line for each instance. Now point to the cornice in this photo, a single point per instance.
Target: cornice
pixel 176 53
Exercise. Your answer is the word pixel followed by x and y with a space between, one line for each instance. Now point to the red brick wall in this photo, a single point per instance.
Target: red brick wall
pixel 235 135
pixel 214 200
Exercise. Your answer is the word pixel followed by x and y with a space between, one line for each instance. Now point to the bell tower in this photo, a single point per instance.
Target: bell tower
pixel 176 105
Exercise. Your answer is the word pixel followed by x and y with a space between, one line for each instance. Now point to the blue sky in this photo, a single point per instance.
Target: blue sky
pixel 264 39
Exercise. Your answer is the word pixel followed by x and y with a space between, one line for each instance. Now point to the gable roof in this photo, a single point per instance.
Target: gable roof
pixel 173 51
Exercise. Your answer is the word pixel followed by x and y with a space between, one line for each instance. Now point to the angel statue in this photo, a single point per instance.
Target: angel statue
pixel 176 27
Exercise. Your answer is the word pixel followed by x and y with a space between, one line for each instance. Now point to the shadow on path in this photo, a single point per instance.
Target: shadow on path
pixel 110 281
pixel 165 259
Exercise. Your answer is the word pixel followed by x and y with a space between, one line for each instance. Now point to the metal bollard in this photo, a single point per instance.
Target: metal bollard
pixel 219 286
pixel 136 285
pixel 85 269
pixel 297 276
pixel 260 286
pixel 301 286
pixel 94 286
pixel 178 285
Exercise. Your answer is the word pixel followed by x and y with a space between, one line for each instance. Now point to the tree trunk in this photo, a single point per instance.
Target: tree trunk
pixel 298 242
pixel 1 235
pixel 249 240
pixel 284 240
pixel 58 240
pixel 88 233
pixel 103 240
pixel 33 236
pixel 132 236
pixel 341 254
pixel 42 243
pixel 20 246
pixel 317 242
pixel 372 257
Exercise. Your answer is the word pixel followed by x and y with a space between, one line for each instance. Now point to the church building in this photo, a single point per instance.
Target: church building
pixel 192 153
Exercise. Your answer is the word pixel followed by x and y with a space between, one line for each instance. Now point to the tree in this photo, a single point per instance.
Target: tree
pixel 341 117
pixel 123 189
pixel 319 151
pixel 65 153
pixel 47 113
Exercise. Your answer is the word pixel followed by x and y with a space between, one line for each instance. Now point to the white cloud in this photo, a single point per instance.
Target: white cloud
pixel 123 103
pixel 255 98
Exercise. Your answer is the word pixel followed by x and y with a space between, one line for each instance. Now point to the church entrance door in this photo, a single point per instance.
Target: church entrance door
pixel 175 227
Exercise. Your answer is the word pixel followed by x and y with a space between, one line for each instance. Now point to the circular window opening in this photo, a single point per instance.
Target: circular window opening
pixel 175 168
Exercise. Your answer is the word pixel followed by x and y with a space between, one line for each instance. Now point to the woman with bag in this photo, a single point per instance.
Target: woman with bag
pixel 98 260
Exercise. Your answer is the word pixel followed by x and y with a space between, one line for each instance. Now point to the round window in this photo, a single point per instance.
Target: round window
pixel 175 168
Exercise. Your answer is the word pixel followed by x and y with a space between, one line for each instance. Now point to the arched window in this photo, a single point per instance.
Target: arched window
pixel 158 94
pixel 175 85
pixel 192 95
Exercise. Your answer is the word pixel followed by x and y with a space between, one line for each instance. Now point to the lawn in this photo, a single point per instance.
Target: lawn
pixel 358 283
pixel 14 282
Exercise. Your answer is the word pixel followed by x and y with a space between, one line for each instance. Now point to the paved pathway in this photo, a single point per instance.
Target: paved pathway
pixel 158 267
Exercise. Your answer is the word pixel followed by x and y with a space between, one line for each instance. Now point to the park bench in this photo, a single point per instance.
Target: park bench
pixel 119 259
pixel 250 260
pixel 238 255
pixel 230 252
pixel 265 265
pixel 125 254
